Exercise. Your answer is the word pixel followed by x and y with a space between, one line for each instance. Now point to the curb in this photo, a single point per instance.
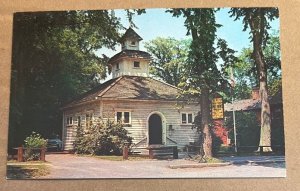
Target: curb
pixel 257 162
pixel 27 164
pixel 201 165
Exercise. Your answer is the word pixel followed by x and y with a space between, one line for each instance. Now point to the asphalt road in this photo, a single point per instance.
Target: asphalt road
pixel 70 166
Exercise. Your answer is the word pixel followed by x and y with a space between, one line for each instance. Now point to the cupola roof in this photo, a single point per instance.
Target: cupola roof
pixel 130 34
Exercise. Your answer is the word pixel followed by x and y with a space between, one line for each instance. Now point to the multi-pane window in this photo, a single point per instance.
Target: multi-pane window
pixel 88 120
pixel 186 118
pixel 69 120
pixel 136 64
pixel 123 117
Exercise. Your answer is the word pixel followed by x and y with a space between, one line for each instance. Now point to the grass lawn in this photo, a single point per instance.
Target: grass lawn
pixel 24 170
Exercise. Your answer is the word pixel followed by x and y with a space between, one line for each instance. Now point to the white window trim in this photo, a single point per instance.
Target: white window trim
pixel 67 120
pixel 122 116
pixel 77 122
pixel 92 118
pixel 187 118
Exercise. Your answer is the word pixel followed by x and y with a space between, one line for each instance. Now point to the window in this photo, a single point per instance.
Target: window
pixel 88 120
pixel 132 43
pixel 123 117
pixel 136 64
pixel 117 66
pixel 126 117
pixel 186 118
pixel 183 118
pixel 190 118
pixel 79 121
pixel 69 120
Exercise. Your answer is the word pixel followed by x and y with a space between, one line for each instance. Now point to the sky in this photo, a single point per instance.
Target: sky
pixel 157 23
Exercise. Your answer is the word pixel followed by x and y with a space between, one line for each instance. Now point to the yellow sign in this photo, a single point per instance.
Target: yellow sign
pixel 217 108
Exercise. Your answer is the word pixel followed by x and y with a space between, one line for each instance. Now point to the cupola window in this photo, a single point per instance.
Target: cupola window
pixel 136 64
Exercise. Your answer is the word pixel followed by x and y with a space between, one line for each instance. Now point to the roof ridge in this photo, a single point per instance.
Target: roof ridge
pixel 163 82
pixel 110 86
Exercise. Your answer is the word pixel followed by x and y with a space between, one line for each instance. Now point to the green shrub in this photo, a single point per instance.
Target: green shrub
pixel 247 128
pixel 101 139
pixel 32 142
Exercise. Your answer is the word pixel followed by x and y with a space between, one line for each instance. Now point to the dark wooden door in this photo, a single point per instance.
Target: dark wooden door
pixel 155 129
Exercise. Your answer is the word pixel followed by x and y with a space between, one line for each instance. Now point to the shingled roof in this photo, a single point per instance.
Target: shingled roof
pixel 252 104
pixel 130 54
pixel 130 87
pixel 131 34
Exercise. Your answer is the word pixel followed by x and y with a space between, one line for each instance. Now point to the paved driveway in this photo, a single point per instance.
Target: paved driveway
pixel 72 166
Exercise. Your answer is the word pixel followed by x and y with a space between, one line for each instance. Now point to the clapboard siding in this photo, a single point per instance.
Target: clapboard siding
pixel 69 131
pixel 140 111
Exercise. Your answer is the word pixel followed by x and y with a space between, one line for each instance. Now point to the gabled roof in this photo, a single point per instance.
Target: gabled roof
pixel 130 54
pixel 130 87
pixel 252 104
pixel 130 34
pixel 243 105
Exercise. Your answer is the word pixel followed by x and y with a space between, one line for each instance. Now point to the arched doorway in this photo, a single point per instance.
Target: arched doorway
pixel 155 129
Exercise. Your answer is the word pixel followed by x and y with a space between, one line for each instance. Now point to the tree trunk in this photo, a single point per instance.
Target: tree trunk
pixel 207 142
pixel 265 130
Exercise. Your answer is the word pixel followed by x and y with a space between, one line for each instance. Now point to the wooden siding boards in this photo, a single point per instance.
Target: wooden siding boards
pixel 69 131
pixel 180 135
pixel 141 96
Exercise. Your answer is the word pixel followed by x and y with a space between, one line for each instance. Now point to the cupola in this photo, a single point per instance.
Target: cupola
pixel 130 61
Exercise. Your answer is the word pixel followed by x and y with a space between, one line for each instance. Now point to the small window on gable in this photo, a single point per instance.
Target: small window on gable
pixel 132 43
pixel 186 118
pixel 123 117
pixel 117 66
pixel 136 64
pixel 69 120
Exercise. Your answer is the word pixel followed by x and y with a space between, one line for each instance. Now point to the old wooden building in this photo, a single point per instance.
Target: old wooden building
pixel 147 107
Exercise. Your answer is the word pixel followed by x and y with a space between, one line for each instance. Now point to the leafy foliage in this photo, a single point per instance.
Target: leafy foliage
pixel 247 128
pixel 33 142
pixel 201 74
pixel 245 72
pixel 168 58
pixel 257 20
pixel 53 61
pixel 101 139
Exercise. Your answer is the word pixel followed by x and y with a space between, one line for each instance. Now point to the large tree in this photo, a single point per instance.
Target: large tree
pixel 54 60
pixel 168 58
pixel 258 21
pixel 245 73
pixel 201 74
